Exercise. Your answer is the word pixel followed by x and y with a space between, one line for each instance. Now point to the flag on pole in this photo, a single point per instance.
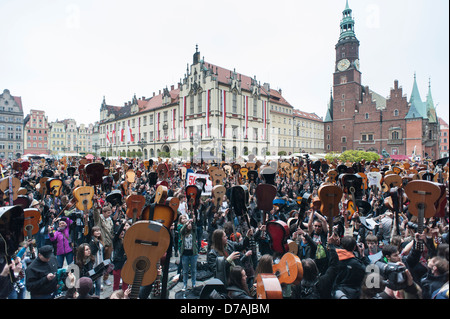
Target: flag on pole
pixel 174 135
pixel 158 126
pixel 184 117
pixel 208 105
pixel 122 133
pixel 129 136
pixel 224 112
pixel 246 116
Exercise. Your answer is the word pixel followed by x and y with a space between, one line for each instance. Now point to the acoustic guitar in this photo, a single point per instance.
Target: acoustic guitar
pixel 217 176
pixel 278 232
pixel 422 197
pixel 161 194
pixel 161 213
pixel 145 242
pixel 32 217
pixel 9 186
pixel 289 269
pixel 330 197
pixel 83 196
pixel 54 186
pixel 11 233
pixel 135 204
pixel 268 287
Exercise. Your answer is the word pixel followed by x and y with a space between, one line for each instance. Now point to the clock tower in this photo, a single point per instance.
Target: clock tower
pixel 347 87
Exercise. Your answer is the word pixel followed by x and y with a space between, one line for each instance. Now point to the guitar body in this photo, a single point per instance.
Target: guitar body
pixel 161 213
pixel 174 203
pixel 84 195
pixel 239 199
pixel 422 196
pixel 54 186
pixel 293 247
pixel 161 194
pixel 392 180
pixel 15 185
pixel 268 287
pixel 330 196
pixel 441 203
pixel 11 229
pixel 332 175
pixel 289 270
pixel 252 176
pixel 243 174
pixel 95 173
pixel 135 204
pixel 145 242
pixel 218 192
pixel 32 217
pixel 265 194
pixel 217 175
pixel 279 233
pixel 193 193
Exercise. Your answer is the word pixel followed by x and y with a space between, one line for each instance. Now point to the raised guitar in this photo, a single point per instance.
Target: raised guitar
pixel 422 197
pixel 289 269
pixel 135 204
pixel 330 196
pixel 145 242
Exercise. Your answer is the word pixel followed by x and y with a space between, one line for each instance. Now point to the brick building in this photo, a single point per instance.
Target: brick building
pixel 360 119
pixel 444 147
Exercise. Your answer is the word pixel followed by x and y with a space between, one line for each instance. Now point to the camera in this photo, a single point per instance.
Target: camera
pixel 412 226
pixel 394 274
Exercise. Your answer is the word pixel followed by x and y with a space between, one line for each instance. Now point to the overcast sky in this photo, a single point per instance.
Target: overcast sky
pixel 64 56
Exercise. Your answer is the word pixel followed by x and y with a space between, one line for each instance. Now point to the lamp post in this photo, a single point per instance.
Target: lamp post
pixel 142 143
pixel 96 147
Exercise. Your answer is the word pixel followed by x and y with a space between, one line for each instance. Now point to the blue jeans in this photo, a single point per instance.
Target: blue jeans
pixel 189 263
pixel 60 259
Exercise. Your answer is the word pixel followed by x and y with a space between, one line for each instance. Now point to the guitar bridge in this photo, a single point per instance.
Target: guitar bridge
pixel 146 242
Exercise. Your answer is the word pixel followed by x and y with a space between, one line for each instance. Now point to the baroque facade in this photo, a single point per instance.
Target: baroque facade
pixel 213 113
pixel 11 126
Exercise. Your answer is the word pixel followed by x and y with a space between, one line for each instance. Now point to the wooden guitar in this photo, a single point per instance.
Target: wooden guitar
pixel 330 197
pixel 217 176
pixel 84 195
pixel 289 269
pixel 135 204
pixel 391 180
pixel 268 287
pixel 32 217
pixel 54 186
pixel 351 184
pixel 332 176
pixel 422 197
pixel 9 186
pixel 145 242
pixel 11 233
pixel 95 173
pixel 441 203
pixel 161 213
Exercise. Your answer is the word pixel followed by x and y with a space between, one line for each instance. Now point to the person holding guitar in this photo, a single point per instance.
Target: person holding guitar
pixel 189 251
pixel 104 221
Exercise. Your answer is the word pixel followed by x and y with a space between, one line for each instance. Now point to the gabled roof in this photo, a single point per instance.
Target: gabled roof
pixel 306 115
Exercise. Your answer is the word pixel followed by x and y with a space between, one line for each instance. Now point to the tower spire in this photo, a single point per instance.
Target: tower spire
pixel 347 23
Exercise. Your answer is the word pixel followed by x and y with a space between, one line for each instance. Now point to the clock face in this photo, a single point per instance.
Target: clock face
pixel 343 65
pixel 357 64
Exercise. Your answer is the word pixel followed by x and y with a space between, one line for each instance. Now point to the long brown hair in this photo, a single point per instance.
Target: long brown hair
pixel 217 242
pixel 265 265
pixel 80 258
pixel 236 279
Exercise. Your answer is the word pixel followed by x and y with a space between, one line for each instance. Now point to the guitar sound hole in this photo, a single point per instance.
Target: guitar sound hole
pixel 421 206
pixel 141 265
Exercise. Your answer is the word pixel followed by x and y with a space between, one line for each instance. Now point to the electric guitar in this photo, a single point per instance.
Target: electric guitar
pixel 145 242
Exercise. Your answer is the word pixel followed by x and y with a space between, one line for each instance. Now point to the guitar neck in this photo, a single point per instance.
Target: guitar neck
pixel 135 288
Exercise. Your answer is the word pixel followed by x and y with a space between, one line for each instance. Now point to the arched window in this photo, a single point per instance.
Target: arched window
pixel 395 112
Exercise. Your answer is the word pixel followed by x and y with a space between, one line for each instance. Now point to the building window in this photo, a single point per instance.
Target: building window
pixel 366 116
pixel 234 109
pixel 344 139
pixel 200 102
pixel 395 112
pixel 395 135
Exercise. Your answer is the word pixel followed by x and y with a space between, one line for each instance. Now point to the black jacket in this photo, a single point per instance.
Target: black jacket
pixel 235 292
pixel 36 273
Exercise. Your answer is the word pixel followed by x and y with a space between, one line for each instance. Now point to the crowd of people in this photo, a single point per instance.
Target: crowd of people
pixel 371 252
